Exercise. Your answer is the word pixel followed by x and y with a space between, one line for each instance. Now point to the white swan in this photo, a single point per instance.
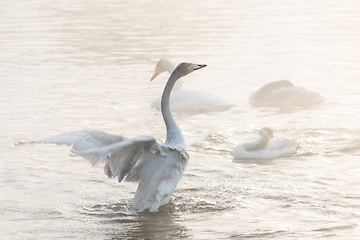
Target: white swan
pixel 266 146
pixel 188 99
pixel 157 167
pixel 284 94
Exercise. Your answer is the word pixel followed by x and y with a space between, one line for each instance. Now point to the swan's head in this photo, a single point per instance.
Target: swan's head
pixel 268 131
pixel 185 68
pixel 162 65
pixel 285 84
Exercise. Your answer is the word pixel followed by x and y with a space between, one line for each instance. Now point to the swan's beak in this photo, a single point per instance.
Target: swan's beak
pixel 198 66
pixel 156 73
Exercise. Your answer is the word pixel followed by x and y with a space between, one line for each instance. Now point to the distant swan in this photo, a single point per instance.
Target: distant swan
pixel 157 167
pixel 266 146
pixel 189 99
pixel 284 94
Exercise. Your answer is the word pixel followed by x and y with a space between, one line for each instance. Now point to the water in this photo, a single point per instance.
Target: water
pixel 74 65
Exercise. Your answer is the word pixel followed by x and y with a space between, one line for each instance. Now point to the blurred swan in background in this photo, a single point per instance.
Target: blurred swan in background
pixel 266 146
pixel 155 166
pixel 188 99
pixel 284 94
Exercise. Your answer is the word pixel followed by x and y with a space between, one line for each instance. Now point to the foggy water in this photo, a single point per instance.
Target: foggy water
pixel 75 65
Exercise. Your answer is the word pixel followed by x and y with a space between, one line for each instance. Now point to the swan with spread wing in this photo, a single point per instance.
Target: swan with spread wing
pixel 155 166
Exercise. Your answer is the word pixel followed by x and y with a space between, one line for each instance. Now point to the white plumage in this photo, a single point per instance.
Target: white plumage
pixel 284 94
pixel 266 146
pixel 190 100
pixel 155 166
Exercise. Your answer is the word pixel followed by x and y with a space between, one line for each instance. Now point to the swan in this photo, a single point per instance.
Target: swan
pixel 188 99
pixel 284 94
pixel 266 146
pixel 155 166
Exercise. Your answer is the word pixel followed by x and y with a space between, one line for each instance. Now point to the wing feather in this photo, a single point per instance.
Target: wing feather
pixel 122 158
pixel 85 141
pixel 134 160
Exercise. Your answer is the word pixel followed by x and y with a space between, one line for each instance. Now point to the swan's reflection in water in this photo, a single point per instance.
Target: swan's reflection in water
pixel 120 223
pixel 161 225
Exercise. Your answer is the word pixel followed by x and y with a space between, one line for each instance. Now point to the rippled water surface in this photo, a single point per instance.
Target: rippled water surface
pixel 74 65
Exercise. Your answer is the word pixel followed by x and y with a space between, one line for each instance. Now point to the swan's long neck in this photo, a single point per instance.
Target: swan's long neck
pixel 170 67
pixel 174 135
pixel 258 143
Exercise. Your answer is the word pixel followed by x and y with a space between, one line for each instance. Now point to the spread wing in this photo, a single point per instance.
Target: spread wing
pixel 134 159
pixel 87 140
pixel 84 140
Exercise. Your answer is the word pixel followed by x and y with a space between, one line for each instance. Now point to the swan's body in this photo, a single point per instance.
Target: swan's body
pixel 157 167
pixel 182 99
pixel 266 146
pixel 284 94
